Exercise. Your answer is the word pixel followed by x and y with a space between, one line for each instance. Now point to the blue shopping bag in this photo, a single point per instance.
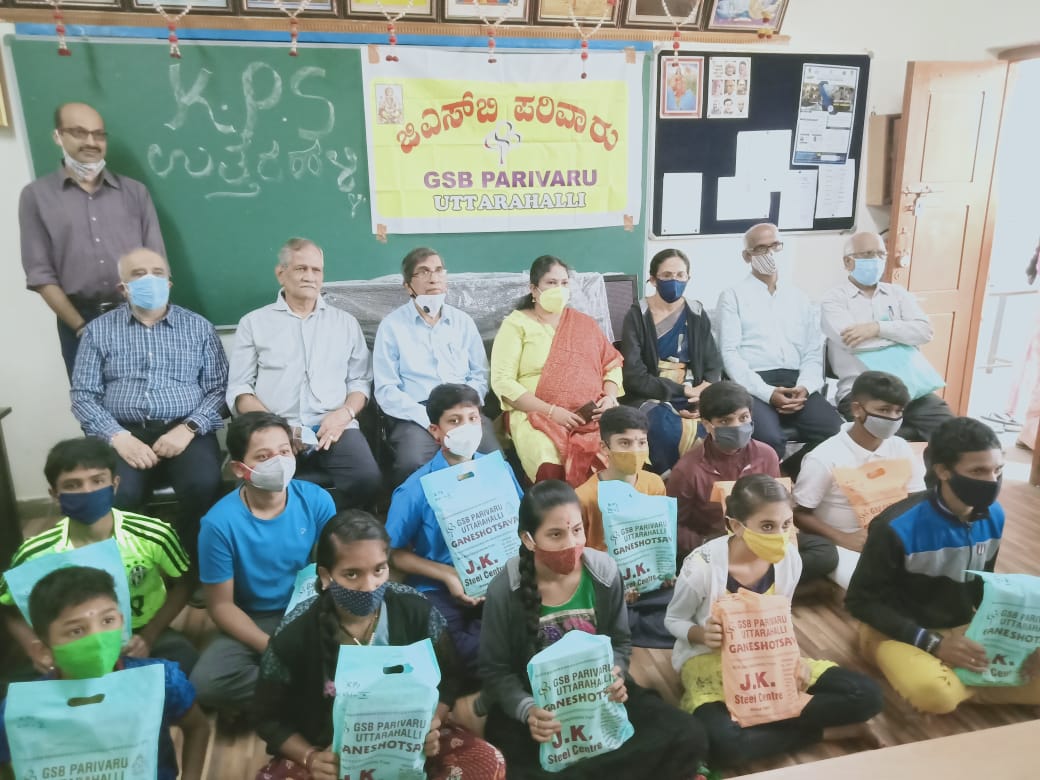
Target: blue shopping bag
pixel 99 555
pixel 640 532
pixel 476 507
pixel 385 701
pixel 569 679
pixel 103 727
pixel 908 364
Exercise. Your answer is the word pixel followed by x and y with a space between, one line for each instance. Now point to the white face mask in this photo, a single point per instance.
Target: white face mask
pixel 464 440
pixel 765 264
pixel 430 304
pixel 273 474
pixel 80 170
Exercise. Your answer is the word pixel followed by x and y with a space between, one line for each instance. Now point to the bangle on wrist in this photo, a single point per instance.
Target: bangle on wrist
pixel 552 408
pixel 308 757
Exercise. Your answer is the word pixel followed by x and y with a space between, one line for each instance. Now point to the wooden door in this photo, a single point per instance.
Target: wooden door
pixel 940 233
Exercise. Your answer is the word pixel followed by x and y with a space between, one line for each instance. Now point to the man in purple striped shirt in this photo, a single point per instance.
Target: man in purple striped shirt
pixel 75 224
pixel 150 379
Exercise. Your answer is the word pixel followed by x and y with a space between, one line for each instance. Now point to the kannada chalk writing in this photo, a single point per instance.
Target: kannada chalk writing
pixel 244 159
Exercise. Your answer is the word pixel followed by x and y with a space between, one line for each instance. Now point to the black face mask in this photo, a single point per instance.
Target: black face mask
pixel 976 493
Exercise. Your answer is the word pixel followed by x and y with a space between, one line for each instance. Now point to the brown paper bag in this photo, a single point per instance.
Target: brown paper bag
pixel 761 661
pixel 874 486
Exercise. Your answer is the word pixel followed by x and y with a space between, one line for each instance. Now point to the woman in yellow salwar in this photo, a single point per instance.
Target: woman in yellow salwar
pixel 555 373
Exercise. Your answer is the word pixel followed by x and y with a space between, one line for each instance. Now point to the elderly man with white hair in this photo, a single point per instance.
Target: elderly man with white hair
pixel 149 379
pixel 864 319
pixel 308 362
pixel 770 339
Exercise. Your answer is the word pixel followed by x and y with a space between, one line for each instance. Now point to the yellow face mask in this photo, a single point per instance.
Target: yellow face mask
pixel 629 461
pixel 768 547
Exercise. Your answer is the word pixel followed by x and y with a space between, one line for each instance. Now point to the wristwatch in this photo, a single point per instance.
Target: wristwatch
pixel 192 426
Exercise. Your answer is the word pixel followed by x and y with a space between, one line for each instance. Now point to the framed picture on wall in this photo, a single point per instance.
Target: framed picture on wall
pixel 72 3
pixel 651 13
pixel 417 9
pixel 584 11
pixel 681 87
pixel 491 10
pixel 746 15
pixel 173 5
pixel 5 106
pixel 314 6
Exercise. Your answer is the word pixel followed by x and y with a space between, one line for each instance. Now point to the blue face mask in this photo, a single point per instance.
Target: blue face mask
pixel 670 290
pixel 149 292
pixel 357 602
pixel 868 270
pixel 87 508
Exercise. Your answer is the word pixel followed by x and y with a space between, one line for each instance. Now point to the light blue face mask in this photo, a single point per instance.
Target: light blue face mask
pixel 149 292
pixel 868 270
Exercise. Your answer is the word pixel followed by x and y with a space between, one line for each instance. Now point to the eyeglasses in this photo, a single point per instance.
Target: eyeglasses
pixel 81 133
pixel 668 276
pixel 873 254
pixel 762 249
pixel 426 273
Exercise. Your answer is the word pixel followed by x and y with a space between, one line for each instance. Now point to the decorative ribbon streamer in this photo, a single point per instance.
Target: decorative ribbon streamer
pixel 391 19
pixel 694 11
pixel 171 25
pixel 585 36
pixel 294 24
pixel 59 29
pixel 492 27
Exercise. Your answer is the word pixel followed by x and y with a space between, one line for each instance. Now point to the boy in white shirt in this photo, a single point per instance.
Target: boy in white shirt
pixel 855 474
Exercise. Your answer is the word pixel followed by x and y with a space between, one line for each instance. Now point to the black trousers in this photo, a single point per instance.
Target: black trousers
pixel 839 698
pixel 88 310
pixel 194 476
pixel 349 465
pixel 816 421
pixel 413 446
pixel 920 417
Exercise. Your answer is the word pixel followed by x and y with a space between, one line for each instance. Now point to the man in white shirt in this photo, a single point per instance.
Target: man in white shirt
pixel 771 343
pixel 864 314
pixel 420 345
pixel 850 478
pixel 308 362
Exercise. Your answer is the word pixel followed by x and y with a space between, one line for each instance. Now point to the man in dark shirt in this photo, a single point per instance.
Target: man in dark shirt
pixel 77 222
pixel 912 591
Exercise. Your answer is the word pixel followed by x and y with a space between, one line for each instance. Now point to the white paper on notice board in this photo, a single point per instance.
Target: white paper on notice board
pixel 742 199
pixel 764 155
pixel 797 200
pixel 834 195
pixel 681 204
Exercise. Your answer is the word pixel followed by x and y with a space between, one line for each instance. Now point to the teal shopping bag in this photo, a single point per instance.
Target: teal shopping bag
pixel 640 532
pixel 908 364
pixel 101 727
pixel 1007 624
pixel 304 587
pixel 569 679
pixel 476 507
pixel 99 555
pixel 385 701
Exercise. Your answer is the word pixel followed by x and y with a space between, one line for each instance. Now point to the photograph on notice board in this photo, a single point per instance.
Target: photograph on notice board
pixel 746 15
pixel 729 87
pixel 681 80
pixel 491 10
pixel 826 114
pixel 567 11
pixel 654 13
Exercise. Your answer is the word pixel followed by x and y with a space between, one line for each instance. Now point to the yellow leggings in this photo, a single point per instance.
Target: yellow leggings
pixel 929 684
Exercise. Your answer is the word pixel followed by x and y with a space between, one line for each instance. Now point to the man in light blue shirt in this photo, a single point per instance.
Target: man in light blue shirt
pixel 420 345
pixel 771 343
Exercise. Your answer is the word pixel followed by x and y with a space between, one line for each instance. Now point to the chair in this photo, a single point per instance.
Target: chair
pixel 622 292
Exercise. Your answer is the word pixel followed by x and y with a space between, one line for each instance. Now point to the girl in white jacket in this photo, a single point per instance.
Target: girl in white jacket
pixel 760 555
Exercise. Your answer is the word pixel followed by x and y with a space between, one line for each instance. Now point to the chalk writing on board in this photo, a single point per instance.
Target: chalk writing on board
pixel 242 159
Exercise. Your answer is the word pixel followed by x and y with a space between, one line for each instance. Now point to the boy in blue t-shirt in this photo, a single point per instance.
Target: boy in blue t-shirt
pixel 75 613
pixel 251 545
pixel 419 549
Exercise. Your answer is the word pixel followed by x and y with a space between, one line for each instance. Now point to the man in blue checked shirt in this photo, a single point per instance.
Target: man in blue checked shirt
pixel 150 379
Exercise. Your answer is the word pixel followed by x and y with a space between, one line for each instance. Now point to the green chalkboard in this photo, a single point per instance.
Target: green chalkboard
pixel 242 147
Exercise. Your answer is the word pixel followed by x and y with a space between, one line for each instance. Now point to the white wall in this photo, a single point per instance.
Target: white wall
pixel 33 380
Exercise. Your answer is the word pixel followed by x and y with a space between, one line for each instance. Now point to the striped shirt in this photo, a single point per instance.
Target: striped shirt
pixel 129 373
pixel 149 547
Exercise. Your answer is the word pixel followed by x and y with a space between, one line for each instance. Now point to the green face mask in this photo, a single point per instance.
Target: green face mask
pixel 94 655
